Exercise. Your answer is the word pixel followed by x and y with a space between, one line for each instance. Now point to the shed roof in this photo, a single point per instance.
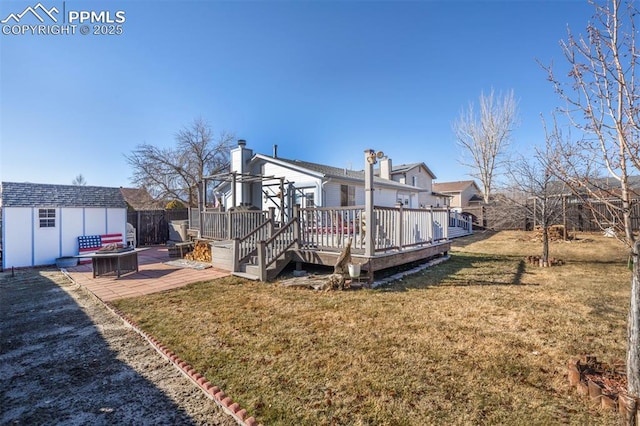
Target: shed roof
pixel 25 194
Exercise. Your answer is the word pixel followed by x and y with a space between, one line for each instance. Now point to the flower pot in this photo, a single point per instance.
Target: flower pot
pixel 354 270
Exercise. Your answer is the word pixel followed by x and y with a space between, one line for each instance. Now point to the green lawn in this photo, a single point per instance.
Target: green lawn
pixel 483 338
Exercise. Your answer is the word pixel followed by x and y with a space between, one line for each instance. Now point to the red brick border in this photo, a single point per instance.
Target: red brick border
pixel 212 392
pixel 622 403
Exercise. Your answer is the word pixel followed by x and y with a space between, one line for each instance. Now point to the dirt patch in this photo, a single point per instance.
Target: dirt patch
pixel 65 358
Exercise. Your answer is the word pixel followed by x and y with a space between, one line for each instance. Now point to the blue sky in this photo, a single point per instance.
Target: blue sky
pixel 323 80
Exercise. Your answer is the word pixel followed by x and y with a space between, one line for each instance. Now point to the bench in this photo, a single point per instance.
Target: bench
pixel 91 243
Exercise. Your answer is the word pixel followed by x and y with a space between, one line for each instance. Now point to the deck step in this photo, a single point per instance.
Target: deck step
pixel 246 275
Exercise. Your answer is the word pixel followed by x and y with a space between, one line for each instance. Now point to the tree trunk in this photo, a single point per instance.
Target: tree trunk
pixel 545 245
pixel 633 334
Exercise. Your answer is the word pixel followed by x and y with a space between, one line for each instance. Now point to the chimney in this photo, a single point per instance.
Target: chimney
pixel 240 158
pixel 385 168
pixel 275 151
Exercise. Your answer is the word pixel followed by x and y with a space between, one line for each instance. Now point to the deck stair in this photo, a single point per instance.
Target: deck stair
pixel 251 269
pixel 266 251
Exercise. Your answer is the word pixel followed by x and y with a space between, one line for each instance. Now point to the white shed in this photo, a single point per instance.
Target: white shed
pixel 41 222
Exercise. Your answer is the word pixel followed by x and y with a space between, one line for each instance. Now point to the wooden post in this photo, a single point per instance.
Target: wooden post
pixel 262 259
pixel 432 235
pixel 272 220
pixel 233 190
pixel 445 231
pixel 296 226
pixel 400 236
pixel 369 161
pixel 235 255
pixel 282 221
pixel 200 212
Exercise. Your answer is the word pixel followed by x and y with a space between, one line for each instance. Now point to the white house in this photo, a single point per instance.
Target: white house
pixel 417 175
pixel 264 181
pixel 41 222
pixel 464 194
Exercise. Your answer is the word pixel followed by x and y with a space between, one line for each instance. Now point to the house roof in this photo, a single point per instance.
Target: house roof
pixel 140 199
pixel 404 168
pixel 330 172
pixel 457 186
pixel 24 194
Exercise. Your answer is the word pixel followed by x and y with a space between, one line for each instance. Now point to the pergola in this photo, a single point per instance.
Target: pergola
pixel 246 178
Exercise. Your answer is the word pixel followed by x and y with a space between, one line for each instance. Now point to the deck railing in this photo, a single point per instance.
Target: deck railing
pixel 329 228
pixel 228 225
pixel 277 246
pixel 393 228
pixel 248 244
pixel 194 218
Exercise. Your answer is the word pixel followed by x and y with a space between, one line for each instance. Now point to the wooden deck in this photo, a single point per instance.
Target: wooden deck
pixel 254 244
pixel 377 262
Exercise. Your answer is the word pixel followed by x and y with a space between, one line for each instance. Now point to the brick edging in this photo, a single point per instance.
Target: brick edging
pixel 622 403
pixel 214 393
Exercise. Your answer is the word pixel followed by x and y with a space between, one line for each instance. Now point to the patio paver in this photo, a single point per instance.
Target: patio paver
pixel 153 276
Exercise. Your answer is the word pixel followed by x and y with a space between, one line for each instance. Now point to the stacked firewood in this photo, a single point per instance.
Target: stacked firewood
pixel 201 252
pixel 537 261
pixel 555 232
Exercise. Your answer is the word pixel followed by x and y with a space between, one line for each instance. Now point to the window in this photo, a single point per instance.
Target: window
pixel 47 218
pixel 347 195
pixel 414 180
pixel 309 199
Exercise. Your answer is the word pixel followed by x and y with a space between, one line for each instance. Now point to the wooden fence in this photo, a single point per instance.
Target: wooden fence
pixel 576 215
pixel 152 226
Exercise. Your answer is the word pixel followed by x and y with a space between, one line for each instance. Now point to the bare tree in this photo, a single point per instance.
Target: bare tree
pixel 174 173
pixel 485 136
pixel 602 101
pixel 79 180
pixel 532 176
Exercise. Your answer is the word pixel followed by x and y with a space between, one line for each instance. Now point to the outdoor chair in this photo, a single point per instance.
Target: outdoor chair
pixel 131 236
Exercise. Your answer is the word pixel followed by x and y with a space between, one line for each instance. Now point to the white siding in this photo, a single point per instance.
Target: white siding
pixel 26 244
pixel 17 249
pixel 385 197
pixel 117 223
pixel 95 221
pixel 46 241
pixel 332 194
pixel 296 178
pixel 72 223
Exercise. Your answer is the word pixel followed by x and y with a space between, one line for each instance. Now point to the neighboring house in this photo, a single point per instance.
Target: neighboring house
pixel 264 181
pixel 140 199
pixel 417 175
pixel 41 222
pixel 464 194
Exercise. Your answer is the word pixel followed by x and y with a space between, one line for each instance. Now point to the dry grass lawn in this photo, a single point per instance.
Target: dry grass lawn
pixel 483 338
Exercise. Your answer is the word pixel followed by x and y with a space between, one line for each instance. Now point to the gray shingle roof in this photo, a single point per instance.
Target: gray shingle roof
pixel 24 194
pixel 403 168
pixel 338 173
